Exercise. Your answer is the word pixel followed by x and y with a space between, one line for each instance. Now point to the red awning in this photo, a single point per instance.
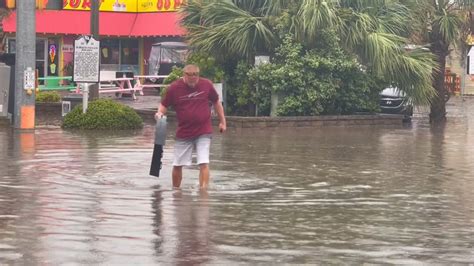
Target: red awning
pixel 167 23
pixel 110 23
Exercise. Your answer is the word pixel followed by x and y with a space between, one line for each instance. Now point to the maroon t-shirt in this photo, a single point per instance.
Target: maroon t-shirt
pixel 191 106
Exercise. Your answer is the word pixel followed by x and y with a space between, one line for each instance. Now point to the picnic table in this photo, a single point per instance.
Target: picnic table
pixel 143 81
pixel 117 85
pixel 111 84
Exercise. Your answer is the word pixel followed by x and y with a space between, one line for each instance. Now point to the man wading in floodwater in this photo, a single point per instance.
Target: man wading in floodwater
pixel 190 97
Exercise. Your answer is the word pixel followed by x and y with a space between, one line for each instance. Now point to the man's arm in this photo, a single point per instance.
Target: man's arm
pixel 220 113
pixel 161 111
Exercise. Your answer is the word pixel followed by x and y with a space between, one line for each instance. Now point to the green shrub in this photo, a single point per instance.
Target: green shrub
pixel 207 65
pixel 48 97
pixel 240 96
pixel 103 114
pixel 175 74
pixel 318 81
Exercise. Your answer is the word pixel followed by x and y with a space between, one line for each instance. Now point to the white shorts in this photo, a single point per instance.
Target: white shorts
pixel 183 149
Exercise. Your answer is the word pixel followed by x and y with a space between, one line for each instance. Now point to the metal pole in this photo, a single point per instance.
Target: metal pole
pixel 94 88
pixel 463 82
pixel 85 98
pixel 95 19
pixel 24 109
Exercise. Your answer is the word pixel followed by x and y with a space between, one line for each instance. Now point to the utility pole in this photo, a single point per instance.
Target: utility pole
pixel 94 88
pixel 24 111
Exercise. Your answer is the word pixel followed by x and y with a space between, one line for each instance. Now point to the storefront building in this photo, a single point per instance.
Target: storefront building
pixel 127 29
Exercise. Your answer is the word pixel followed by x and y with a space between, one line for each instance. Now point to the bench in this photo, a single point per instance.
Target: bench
pixel 53 83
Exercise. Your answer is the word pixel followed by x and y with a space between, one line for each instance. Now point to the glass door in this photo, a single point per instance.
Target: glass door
pixel 40 62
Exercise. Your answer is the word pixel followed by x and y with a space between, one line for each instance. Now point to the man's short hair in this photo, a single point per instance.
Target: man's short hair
pixel 191 67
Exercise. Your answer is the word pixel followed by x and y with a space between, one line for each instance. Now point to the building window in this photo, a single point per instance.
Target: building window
pixel 119 55
pixel 109 52
pixel 40 51
pixel 129 52
pixel 11 46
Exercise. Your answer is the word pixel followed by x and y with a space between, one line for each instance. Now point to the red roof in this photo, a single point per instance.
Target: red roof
pixel 110 23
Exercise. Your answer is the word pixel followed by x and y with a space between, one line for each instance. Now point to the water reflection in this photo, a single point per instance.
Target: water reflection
pixel 334 195
pixel 181 226
pixel 192 227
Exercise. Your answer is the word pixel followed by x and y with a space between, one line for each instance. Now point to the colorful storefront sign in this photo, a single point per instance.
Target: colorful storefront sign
pixel 39 3
pixel 126 5
pixel 159 5
pixel 105 5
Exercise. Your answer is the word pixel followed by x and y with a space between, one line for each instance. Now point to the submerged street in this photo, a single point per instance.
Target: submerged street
pixel 328 195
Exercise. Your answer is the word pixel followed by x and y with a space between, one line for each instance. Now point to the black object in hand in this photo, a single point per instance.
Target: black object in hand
pixel 160 138
pixel 156 160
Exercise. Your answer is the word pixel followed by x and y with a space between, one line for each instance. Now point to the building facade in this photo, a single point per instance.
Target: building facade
pixel 127 30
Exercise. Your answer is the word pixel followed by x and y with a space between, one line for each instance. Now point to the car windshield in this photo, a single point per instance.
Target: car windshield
pixel 391 91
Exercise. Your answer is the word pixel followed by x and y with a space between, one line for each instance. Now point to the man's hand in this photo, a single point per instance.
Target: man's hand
pixel 158 115
pixel 222 127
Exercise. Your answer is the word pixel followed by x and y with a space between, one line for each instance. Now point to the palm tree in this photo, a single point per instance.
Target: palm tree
pixel 442 24
pixel 224 27
pixel 376 32
pixel 373 30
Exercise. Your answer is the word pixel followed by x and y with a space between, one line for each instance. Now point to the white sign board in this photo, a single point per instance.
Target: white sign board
pixel 262 59
pixel 29 79
pixel 86 60
pixel 66 107
pixel 470 58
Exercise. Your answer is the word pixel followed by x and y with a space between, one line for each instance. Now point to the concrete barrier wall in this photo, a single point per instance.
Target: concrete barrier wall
pixel 50 114
pixel 296 121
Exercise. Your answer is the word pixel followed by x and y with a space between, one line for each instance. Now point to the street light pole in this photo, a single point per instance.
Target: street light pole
pixel 94 23
pixel 25 54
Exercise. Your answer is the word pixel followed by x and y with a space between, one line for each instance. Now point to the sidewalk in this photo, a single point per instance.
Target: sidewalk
pixel 147 102
pixel 457 106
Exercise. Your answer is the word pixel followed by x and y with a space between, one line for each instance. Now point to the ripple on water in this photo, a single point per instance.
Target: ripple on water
pixel 326 196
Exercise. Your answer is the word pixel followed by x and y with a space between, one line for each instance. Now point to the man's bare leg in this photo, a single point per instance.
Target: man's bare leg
pixel 203 175
pixel 177 176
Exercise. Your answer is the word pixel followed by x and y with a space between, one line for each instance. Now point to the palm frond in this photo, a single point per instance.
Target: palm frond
pixel 449 26
pixel 315 15
pixel 226 27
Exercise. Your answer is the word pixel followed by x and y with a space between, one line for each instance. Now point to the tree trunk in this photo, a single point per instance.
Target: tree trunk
pixel 438 104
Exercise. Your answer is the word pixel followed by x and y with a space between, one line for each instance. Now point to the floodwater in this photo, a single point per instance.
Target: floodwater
pixel 334 195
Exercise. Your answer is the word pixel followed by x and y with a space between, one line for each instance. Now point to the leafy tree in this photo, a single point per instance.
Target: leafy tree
pixel 374 31
pixel 319 81
pixel 228 28
pixel 442 24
